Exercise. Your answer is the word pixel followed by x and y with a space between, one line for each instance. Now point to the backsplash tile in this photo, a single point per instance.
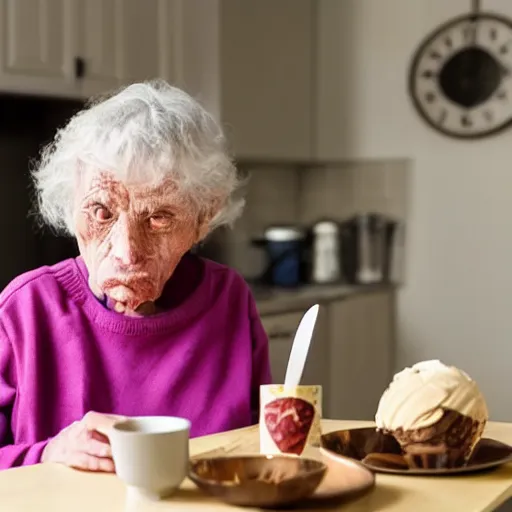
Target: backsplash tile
pixel 272 198
pixel 397 189
pixel 343 190
pixel 291 195
pixel 325 192
pixel 369 179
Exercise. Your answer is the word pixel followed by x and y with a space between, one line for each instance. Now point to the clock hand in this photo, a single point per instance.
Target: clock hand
pixel 475 9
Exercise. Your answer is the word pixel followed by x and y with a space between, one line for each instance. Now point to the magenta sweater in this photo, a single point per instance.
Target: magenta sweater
pixel 63 353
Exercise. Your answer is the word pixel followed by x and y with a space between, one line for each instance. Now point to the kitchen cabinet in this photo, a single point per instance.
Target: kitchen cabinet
pixel 266 59
pixel 251 64
pixel 79 48
pixel 37 47
pixel 123 42
pixel 281 329
pixel 362 332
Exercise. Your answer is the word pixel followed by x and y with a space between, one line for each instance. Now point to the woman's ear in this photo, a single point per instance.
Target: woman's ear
pixel 205 219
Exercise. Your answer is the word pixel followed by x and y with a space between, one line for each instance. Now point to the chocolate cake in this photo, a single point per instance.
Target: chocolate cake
pixel 435 412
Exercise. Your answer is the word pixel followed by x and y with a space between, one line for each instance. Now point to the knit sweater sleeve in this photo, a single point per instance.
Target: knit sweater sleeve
pixel 261 373
pixel 11 454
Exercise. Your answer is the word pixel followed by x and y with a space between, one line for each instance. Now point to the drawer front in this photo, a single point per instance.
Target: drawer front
pixel 282 326
pixel 280 330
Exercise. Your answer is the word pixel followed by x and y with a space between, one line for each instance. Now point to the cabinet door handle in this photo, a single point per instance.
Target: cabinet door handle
pixel 79 67
pixel 280 335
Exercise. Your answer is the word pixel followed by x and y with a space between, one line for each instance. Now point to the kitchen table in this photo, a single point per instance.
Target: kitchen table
pixel 54 488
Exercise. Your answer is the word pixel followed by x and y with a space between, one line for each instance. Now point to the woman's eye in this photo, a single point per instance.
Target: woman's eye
pixel 101 213
pixel 158 221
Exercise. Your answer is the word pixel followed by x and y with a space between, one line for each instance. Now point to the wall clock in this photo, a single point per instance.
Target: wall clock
pixel 460 79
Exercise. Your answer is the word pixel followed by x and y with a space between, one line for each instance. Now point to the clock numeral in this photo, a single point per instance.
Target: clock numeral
pixel 448 42
pixel 465 121
pixel 488 116
pixel 469 33
pixel 493 34
pixel 434 54
pixel 501 95
pixel 430 97
pixel 504 49
pixel 428 74
pixel 443 116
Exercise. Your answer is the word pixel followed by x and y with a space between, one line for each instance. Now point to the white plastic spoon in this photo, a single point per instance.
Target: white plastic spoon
pixel 300 347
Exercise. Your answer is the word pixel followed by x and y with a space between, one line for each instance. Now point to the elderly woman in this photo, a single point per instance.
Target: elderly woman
pixel 136 325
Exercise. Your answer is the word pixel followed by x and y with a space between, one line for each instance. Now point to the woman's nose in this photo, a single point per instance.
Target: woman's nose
pixel 127 248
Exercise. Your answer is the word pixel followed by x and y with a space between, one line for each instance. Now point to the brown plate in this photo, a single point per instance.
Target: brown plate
pixel 294 479
pixel 386 454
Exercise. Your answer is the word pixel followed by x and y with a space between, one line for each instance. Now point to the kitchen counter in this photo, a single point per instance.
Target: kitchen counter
pixel 55 488
pixel 277 300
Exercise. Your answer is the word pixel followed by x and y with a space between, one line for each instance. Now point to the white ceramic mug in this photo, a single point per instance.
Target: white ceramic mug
pixel 151 453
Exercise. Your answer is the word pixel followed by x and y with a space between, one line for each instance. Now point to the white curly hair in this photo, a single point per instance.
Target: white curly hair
pixel 148 132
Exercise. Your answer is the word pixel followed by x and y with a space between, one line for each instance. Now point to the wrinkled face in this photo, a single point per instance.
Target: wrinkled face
pixel 132 237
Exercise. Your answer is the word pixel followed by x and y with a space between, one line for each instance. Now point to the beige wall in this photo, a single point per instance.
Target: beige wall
pixel 457 303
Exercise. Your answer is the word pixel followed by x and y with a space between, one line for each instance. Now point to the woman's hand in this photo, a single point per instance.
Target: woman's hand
pixel 83 445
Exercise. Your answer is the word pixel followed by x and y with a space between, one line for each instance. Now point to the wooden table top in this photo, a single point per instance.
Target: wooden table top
pixel 54 488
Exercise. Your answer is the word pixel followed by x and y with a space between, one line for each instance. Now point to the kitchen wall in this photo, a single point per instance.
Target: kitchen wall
pixel 456 304
pixel 281 194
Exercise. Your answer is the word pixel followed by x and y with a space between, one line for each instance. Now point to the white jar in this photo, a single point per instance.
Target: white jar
pixel 326 258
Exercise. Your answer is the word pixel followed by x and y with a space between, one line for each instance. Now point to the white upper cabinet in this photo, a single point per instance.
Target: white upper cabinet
pixel 98 54
pixel 267 74
pixel 146 39
pixel 121 42
pixel 251 62
pixel 37 46
pixel 79 48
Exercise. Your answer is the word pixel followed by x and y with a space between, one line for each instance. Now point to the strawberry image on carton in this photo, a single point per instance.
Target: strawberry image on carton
pixel 289 418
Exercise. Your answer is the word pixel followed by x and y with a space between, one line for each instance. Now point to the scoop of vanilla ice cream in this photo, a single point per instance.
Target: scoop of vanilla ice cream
pixel 418 396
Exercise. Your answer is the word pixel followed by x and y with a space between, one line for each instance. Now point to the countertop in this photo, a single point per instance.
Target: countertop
pixel 55 488
pixel 278 300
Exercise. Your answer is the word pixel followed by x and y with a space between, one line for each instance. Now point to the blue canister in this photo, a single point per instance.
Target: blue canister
pixel 284 248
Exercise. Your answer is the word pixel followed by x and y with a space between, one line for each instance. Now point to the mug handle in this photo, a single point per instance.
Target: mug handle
pixel 103 423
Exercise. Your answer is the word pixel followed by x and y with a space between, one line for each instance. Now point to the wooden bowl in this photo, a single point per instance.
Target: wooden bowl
pixel 259 480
